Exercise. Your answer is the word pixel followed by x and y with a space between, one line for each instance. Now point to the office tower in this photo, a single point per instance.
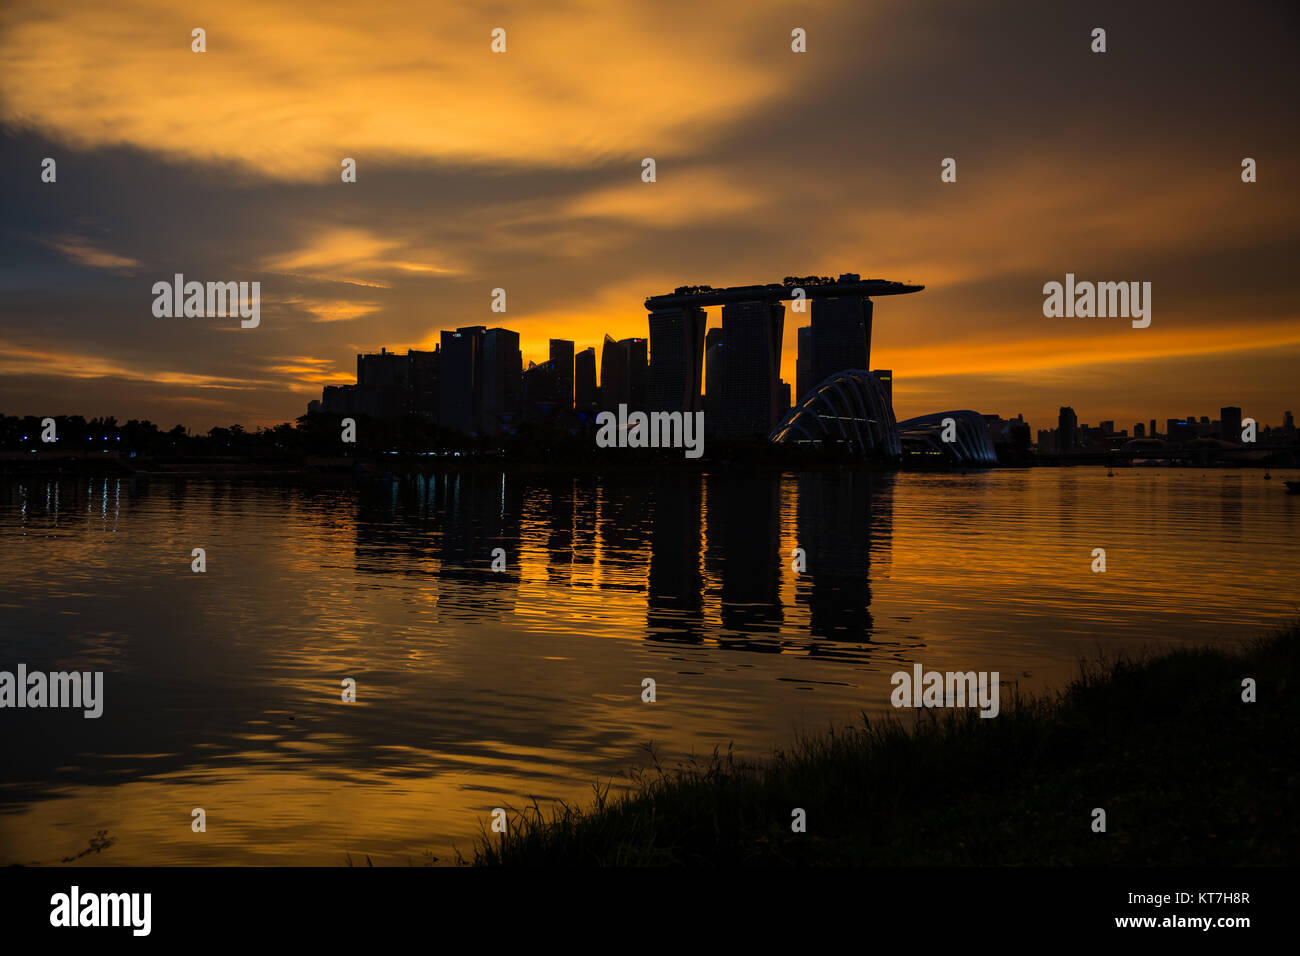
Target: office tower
pixel 584 380
pixel 613 374
pixel 383 368
pixel 424 382
pixel 1108 427
pixel 502 378
pixel 562 362
pixel 751 365
pixel 803 365
pixel 1067 426
pixel 541 387
pixel 783 404
pixel 676 359
pixel 459 374
pixel 841 335
pixel 1230 423
pixel 638 373
pixel 1139 430
pixel 383 385
pixel 1153 429
pixel 713 376
pixel 886 377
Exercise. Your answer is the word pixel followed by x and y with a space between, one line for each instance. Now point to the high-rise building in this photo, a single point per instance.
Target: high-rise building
pixel 841 335
pixel 1108 427
pixel 562 362
pixel 1139 430
pixel 886 377
pixel 383 385
pixel 541 388
pixel 459 378
pixel 383 368
pixel 676 359
pixel 803 366
pixel 783 404
pixel 613 374
pixel 752 365
pixel 713 376
pixel 638 372
pixel 584 380
pixel 502 378
pixel 424 382
pixel 1230 423
pixel 1153 429
pixel 1067 426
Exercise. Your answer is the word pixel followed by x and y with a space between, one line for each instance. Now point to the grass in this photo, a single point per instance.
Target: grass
pixel 1187 773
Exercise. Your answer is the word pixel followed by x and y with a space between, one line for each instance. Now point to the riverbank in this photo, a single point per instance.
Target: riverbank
pixel 1187 773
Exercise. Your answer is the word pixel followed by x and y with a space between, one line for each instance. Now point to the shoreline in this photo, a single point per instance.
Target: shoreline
pixel 1187 772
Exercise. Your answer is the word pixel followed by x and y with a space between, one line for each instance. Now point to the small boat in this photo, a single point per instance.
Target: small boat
pixel 1293 487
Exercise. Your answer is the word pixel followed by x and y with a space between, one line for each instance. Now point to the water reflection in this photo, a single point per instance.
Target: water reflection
pixel 478 687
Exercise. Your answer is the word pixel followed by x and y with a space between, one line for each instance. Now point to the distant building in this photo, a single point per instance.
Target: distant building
pixel 714 376
pixel 424 382
pixel 1067 425
pixel 614 385
pixel 886 377
pixel 502 380
pixel 752 366
pixel 784 403
pixel 1230 423
pixel 1139 430
pixel 541 390
pixel 638 373
pixel 562 363
pixel 803 366
pixel 676 359
pixel 1181 431
pixel 1153 429
pixel 460 379
pixel 841 335
pixel 584 380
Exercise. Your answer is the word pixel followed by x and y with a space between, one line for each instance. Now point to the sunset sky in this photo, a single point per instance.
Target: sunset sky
pixel 522 170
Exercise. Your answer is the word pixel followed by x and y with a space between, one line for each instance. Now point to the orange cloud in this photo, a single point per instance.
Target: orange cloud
pixel 288 93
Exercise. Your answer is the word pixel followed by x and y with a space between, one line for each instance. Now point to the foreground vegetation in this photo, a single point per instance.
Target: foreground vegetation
pixel 1187 773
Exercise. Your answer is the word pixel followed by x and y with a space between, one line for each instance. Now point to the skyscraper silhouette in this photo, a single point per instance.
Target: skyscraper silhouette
pixel 1067 426
pixel 1230 423
pixel 803 368
pixel 502 377
pixel 713 377
pixel 584 380
pixel 460 378
pixel 676 359
pixel 614 386
pixel 841 335
pixel 751 366
pixel 562 362
pixel 637 372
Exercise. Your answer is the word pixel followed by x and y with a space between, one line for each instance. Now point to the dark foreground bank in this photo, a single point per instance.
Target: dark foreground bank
pixel 1186 771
